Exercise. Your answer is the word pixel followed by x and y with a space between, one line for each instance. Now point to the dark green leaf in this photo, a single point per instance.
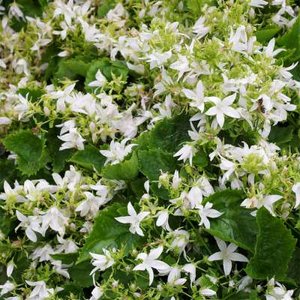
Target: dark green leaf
pixel 236 225
pixel 152 162
pixel 273 250
pixel 281 135
pixel 294 267
pixel 89 158
pixel 167 135
pixel 265 35
pixel 125 170
pixel 109 233
pixel 58 157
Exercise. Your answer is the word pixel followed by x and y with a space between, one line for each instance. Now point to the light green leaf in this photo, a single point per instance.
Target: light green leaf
pixel 273 250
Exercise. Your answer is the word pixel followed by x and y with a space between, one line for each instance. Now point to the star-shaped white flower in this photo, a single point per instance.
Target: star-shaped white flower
pixel 222 108
pixel 186 152
pixel 133 219
pixel 150 262
pixel 197 96
pixel 228 255
pixel 100 80
pixel 206 212
pixel 101 262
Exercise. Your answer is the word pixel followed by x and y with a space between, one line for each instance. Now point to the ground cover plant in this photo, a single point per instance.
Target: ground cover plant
pixel 149 149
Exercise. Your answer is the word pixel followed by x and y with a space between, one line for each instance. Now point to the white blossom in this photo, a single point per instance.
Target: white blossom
pixel 101 262
pixel 150 261
pixel 227 254
pixel 133 219
pixel 222 108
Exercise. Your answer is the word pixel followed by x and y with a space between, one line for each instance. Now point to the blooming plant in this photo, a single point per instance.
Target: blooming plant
pixel 149 149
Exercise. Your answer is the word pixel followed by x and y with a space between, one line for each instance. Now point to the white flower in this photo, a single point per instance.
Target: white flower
pixel 199 28
pixel 174 277
pixel 296 190
pixel 181 65
pixel 42 253
pixel 258 3
pixel 54 219
pixel 277 291
pixel 180 240
pixel 40 290
pixel 32 225
pixel 133 219
pixel 262 201
pixel 117 151
pixel 10 268
pixel 206 212
pixel 197 96
pixel 150 262
pixel 186 152
pixel 100 80
pixel 158 59
pixel 228 255
pixel 6 287
pixel 191 269
pixel 195 197
pixel 97 293
pixel 221 108
pixel 101 262
pixel 90 206
pixel 73 139
pixel 269 50
pixel 162 219
pixel 206 292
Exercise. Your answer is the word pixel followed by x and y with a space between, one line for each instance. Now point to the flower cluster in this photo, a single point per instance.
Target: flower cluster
pixel 149 149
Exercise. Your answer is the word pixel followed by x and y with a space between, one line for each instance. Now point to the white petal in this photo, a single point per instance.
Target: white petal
pixel 227 266
pixel 216 256
pixel 238 257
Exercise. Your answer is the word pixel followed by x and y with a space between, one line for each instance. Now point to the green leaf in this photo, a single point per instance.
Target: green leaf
pixel 167 135
pixel 32 155
pixel 66 258
pixel 80 274
pixel 108 68
pixel 32 94
pixel 265 35
pixel 8 171
pixel 152 162
pixel 89 158
pixel 291 40
pixel 109 233
pixel 235 225
pixel 58 157
pixel 281 135
pixel 294 267
pixel 273 250
pixel 125 170
pixel 105 7
pixel 6 222
pixel 71 68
